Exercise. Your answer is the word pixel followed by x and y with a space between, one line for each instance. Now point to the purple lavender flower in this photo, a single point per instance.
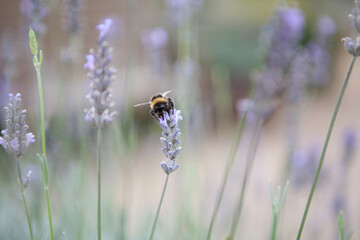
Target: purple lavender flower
pixel 35 12
pixel 15 139
pixel 104 28
pixel 170 140
pixel 90 62
pixel 355 16
pixel 318 49
pixel 278 40
pixel 293 21
pixel 101 75
pixel 281 36
pixel 353 45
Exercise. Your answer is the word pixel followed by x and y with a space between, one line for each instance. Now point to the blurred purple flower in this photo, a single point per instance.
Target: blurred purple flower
pixel 178 10
pixel 303 166
pixel 72 15
pixel 350 142
pixel 155 42
pixel 278 41
pixel 326 27
pixel 298 77
pixel 292 20
pixel 319 52
pixel 155 38
pixel 35 11
pixel 350 139
pixel 281 36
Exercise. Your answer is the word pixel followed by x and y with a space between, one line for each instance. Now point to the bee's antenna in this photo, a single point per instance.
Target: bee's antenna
pixel 142 104
pixel 167 92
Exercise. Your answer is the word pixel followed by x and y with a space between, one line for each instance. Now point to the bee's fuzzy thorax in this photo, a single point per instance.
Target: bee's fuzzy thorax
pixel 158 100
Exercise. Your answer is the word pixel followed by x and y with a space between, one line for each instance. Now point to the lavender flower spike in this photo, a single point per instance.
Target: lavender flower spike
pixel 353 45
pixel 101 75
pixel 355 16
pixel 170 140
pixel 15 140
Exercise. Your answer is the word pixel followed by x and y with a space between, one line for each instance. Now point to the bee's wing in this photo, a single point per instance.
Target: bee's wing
pixel 166 93
pixel 142 104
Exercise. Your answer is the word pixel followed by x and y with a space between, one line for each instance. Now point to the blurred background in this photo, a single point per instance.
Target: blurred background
pixel 210 53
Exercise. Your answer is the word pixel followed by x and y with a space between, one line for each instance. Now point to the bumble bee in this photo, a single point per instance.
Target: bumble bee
pixel 159 103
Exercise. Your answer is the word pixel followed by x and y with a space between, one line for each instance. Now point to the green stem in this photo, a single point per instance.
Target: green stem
pixel 27 214
pixel 99 183
pixel 43 142
pixel 158 210
pixel 333 118
pixel 229 163
pixel 24 200
pixel 249 163
pixel 274 227
pixel 49 211
pixel 42 115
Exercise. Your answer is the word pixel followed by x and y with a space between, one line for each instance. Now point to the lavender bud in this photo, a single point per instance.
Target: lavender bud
pixel 170 140
pixel 101 75
pixel 15 140
pixel 26 179
pixel 352 46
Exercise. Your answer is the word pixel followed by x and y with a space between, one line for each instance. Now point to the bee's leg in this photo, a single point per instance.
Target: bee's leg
pixel 152 113
pixel 171 103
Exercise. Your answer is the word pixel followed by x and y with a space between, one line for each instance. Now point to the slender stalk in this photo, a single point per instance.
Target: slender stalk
pixel 43 143
pixel 277 204
pixel 27 214
pixel 249 163
pixel 158 210
pixel 49 210
pixel 21 184
pixel 99 183
pixel 42 115
pixel 332 122
pixel 229 163
pixel 274 227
